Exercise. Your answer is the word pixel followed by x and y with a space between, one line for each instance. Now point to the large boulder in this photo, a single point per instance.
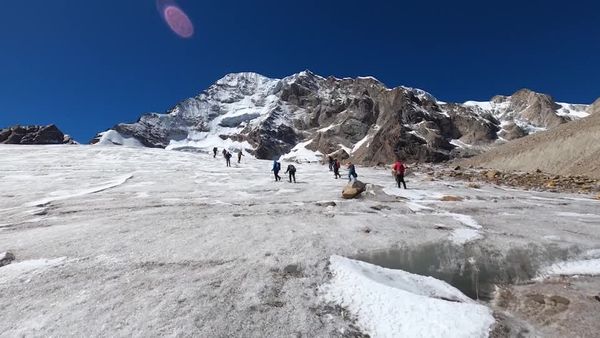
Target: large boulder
pixel 353 189
pixel 34 135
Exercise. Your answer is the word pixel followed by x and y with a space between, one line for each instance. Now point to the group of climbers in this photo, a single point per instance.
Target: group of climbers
pixel 398 168
pixel 227 155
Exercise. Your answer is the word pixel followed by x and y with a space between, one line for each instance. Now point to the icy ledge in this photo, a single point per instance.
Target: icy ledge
pixel 394 303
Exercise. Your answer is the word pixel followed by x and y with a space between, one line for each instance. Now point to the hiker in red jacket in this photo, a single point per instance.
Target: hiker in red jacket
pixel 398 170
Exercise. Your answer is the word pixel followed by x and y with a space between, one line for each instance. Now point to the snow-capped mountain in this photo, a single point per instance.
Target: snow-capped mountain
pixel 305 116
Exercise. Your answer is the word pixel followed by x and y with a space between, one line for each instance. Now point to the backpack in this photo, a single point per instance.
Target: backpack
pixel 278 166
pixel 292 169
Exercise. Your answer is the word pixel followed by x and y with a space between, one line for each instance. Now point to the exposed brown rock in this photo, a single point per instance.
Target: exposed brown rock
pixel 569 149
pixel 512 132
pixel 452 199
pixel 353 190
pixel 594 109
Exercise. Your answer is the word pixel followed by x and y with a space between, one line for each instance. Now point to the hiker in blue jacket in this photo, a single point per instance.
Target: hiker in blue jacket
pixel 276 169
pixel 352 175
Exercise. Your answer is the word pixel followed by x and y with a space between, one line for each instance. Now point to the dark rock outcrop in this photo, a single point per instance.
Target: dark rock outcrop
pixel 6 258
pixel 34 135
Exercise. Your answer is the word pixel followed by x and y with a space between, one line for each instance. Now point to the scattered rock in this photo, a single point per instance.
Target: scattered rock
pixel 452 199
pixel 457 168
pixel 293 270
pixel 529 181
pixel 492 174
pixel 366 230
pixel 6 258
pixel 353 190
pixel 380 207
pixel 559 300
pixel 326 204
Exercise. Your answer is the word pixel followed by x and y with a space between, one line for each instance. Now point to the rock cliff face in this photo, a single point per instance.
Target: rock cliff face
pixel 594 108
pixel 34 135
pixel 306 116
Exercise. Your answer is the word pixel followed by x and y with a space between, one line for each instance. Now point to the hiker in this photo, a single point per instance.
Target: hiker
pixel 398 170
pixel 240 156
pixel 276 169
pixel 292 171
pixel 331 163
pixel 336 169
pixel 228 158
pixel 215 150
pixel 352 175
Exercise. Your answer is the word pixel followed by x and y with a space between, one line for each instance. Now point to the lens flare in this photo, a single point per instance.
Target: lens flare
pixel 175 18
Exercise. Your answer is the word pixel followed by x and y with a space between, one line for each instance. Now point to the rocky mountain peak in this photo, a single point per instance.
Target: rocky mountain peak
pixel 308 116
pixel 538 109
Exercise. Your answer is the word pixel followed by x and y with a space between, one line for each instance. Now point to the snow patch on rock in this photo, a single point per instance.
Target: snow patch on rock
pixel 114 138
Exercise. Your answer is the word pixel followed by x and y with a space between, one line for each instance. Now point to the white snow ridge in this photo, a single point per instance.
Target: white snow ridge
pixel 394 303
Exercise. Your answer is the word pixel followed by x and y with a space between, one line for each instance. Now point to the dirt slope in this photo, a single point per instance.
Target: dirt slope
pixel 569 149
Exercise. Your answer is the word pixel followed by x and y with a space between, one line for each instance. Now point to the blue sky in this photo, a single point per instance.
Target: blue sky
pixel 87 65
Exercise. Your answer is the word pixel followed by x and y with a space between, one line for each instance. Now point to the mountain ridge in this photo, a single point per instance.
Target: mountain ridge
pixel 306 116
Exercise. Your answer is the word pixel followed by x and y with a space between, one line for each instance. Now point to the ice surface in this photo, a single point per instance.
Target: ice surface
pixel 154 242
pixel 464 236
pixel 27 268
pixel 466 220
pixel 66 194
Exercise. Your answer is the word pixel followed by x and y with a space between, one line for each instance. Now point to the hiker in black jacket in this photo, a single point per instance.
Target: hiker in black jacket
pixel 228 158
pixel 291 170
pixel 336 169
pixel 240 154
